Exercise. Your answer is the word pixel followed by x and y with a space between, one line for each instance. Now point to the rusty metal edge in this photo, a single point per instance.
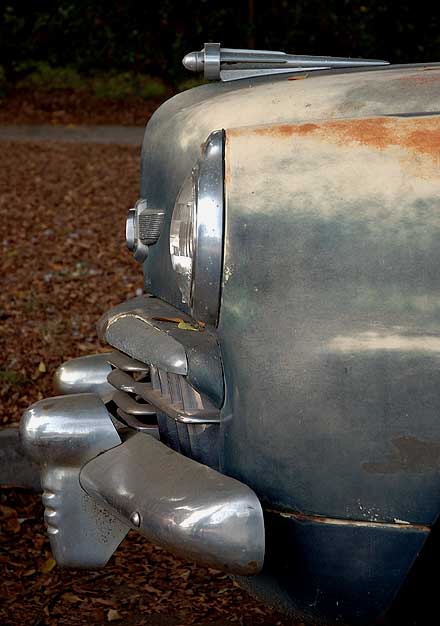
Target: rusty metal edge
pixel 320 519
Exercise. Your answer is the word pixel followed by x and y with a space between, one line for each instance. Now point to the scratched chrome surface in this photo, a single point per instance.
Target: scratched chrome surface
pixel 61 434
pixel 179 504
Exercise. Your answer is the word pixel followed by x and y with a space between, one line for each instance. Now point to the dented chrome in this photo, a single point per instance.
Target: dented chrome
pixel 180 504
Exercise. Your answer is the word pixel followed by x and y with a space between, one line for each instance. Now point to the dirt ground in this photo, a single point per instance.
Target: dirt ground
pixel 68 106
pixel 64 262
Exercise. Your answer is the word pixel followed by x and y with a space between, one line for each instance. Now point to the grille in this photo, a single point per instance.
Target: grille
pixel 147 396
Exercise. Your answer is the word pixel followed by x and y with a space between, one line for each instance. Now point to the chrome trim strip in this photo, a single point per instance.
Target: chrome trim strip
pixel 159 396
pixel 208 255
pixel 126 363
pixel 130 406
pixel 132 422
pixel 161 403
pixel 121 380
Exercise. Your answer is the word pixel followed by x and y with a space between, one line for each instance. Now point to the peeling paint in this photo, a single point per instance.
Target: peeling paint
pixel 419 135
pixel 409 455
pixel 227 273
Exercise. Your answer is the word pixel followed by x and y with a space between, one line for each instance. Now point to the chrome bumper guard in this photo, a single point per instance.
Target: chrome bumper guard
pixel 61 434
pixel 97 486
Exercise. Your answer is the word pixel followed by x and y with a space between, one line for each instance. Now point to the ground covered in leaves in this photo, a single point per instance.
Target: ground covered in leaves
pixel 71 106
pixel 142 584
pixel 64 262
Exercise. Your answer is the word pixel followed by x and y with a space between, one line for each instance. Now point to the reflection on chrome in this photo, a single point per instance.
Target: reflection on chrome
pixel 183 505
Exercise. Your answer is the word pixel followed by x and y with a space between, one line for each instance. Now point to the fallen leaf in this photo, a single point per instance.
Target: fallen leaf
pixel 173 320
pixel 113 615
pixel 48 565
pixel 7 511
pixel 103 601
pixel 98 615
pixel 186 326
pixel 29 572
pixel 42 367
pixel 71 597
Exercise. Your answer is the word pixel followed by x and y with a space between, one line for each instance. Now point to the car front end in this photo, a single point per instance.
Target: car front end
pixel 269 404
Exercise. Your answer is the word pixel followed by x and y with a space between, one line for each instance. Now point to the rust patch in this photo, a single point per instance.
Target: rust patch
pixel 409 455
pixel 415 134
pixel 227 174
pixel 301 77
pixel 423 79
pixel 285 130
pixel 425 141
pixel 338 521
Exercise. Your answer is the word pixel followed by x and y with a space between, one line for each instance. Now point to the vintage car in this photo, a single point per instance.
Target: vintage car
pixel 271 406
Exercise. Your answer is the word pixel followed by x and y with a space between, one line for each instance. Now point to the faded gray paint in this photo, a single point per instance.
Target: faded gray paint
pixel 175 133
pixel 330 317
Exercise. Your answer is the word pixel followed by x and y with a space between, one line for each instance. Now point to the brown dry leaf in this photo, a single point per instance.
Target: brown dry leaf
pixel 103 601
pixel 71 597
pixel 98 615
pixel 48 565
pixel 7 512
pixel 113 615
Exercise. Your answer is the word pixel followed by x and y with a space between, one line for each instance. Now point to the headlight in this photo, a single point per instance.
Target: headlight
pixel 196 233
pixel 182 238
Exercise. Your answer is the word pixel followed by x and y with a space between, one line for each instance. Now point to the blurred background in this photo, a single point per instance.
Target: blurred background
pixel 117 50
pixel 64 195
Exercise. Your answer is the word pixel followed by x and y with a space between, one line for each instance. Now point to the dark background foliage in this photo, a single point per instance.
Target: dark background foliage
pixel 152 37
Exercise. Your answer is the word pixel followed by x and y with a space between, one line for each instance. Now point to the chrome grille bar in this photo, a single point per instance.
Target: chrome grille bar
pixel 168 393
pixel 122 361
pixel 131 406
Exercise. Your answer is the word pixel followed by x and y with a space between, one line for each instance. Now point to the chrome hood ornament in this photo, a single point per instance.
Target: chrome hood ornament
pixel 227 64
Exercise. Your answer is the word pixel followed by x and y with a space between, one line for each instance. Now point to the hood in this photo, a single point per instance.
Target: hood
pixel 177 130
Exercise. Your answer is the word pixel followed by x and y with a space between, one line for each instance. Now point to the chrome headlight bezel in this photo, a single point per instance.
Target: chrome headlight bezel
pixel 203 294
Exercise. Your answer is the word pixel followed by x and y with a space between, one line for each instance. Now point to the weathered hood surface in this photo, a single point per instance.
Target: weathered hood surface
pixel 179 127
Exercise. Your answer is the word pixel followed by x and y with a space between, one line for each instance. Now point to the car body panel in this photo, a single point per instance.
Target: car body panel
pixel 329 323
pixel 178 129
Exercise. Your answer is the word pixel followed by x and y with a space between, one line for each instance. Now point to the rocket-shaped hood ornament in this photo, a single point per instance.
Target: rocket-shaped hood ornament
pixel 225 64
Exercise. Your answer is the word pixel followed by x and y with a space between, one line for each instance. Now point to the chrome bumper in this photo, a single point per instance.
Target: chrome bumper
pixel 103 473
pixel 61 434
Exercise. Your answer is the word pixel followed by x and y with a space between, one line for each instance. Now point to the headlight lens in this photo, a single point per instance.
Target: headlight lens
pixel 182 238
